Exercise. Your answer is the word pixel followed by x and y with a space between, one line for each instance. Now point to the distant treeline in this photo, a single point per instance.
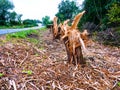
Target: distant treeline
pixel 102 18
pixel 8 17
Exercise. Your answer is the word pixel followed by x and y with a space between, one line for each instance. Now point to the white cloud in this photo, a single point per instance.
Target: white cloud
pixel 36 9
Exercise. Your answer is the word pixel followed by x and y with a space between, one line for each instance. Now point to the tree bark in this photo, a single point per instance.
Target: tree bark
pixel 76 58
pixel 79 55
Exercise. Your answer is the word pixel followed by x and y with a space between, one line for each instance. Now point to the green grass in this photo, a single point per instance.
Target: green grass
pixel 31 36
pixel 43 28
pixel 24 34
pixel 21 34
pixel 12 27
pixel 33 40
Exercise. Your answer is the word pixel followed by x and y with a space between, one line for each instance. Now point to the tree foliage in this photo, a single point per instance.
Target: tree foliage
pixel 114 14
pixel 67 10
pixel 7 15
pixel 5 6
pixel 14 18
pixel 30 22
pixel 46 20
pixel 96 11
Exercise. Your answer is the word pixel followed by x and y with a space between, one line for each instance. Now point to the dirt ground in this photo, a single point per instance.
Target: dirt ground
pixel 25 66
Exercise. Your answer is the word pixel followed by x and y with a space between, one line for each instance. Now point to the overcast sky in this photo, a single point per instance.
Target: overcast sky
pixel 36 9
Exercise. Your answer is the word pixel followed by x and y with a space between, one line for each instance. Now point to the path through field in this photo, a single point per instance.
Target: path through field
pixel 43 67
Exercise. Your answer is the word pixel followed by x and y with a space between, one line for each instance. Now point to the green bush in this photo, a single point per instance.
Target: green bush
pixel 114 14
pixel 30 23
pixel 46 20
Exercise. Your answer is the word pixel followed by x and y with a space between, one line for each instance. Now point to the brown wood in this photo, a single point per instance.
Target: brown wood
pixel 71 38
pixel 76 58
pixel 79 55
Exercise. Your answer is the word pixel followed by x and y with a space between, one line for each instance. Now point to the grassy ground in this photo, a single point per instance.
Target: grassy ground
pixel 16 26
pixel 24 34
pixel 11 27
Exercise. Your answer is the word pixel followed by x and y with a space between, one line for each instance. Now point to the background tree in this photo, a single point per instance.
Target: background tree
pixel 13 18
pixel 96 11
pixel 114 14
pixel 19 18
pixel 30 23
pixel 67 10
pixel 5 7
pixel 46 20
pixel 105 17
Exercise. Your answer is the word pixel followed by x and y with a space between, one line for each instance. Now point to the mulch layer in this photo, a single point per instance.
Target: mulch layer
pixel 24 66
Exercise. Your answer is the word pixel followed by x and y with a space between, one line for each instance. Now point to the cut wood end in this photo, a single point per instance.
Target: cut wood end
pixel 83 11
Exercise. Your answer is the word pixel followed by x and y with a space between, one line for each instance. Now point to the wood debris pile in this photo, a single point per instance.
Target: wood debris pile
pixel 25 67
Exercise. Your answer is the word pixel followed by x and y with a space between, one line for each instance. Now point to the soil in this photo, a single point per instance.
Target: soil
pixel 25 66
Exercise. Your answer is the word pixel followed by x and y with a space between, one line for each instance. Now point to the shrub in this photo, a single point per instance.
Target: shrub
pixel 30 23
pixel 110 37
pixel 114 14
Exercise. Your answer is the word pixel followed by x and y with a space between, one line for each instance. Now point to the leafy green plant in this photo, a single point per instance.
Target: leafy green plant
pixel 29 72
pixel 118 84
pixel 1 74
pixel 114 14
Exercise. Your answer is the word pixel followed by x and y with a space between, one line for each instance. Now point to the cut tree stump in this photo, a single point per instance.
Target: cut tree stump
pixel 79 55
pixel 76 58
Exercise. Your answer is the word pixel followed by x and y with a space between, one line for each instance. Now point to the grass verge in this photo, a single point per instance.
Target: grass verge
pixel 29 35
pixel 24 34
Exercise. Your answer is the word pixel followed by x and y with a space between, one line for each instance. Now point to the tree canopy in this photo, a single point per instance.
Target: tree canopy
pixel 5 7
pixel 30 22
pixel 8 17
pixel 114 14
pixel 46 20
pixel 66 10
pixel 96 11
